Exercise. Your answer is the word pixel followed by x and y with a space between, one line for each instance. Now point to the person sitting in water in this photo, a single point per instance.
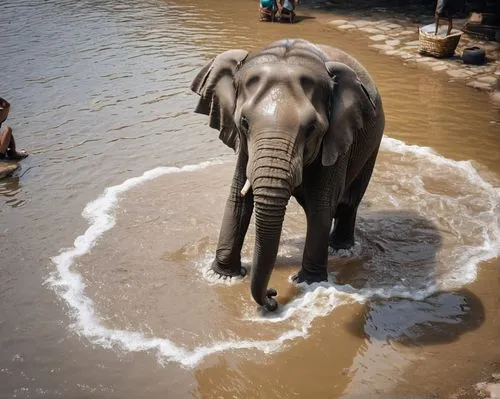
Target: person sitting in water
pixel 7 143
pixel 447 9
pixel 268 10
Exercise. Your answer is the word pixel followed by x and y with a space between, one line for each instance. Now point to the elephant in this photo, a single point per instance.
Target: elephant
pixel 305 120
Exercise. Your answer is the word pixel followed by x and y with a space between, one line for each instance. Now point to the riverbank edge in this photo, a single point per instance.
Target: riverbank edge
pixel 398 37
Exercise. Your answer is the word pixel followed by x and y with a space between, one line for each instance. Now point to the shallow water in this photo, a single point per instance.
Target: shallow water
pixel 99 94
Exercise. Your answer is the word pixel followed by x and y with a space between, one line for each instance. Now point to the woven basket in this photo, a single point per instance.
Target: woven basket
pixel 440 45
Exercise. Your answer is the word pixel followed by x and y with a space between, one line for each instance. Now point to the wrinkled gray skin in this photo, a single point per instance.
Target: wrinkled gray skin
pixel 305 120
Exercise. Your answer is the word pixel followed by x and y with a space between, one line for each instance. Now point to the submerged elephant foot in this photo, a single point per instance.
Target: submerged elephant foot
pixel 307 277
pixel 224 272
pixel 336 244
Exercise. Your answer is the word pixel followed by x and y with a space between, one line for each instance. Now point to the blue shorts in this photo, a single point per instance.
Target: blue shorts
pixel 287 5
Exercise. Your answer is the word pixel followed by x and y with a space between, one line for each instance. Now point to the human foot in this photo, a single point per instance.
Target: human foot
pixel 13 154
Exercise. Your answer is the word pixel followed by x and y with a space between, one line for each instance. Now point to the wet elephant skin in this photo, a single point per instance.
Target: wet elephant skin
pixel 305 120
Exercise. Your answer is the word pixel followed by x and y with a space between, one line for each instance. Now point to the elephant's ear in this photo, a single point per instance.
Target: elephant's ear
pixel 216 87
pixel 351 108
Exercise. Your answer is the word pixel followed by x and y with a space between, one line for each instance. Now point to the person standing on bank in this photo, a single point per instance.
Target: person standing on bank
pixel 447 9
pixel 7 142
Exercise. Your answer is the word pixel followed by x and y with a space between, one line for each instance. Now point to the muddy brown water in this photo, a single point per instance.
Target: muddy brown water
pixel 99 93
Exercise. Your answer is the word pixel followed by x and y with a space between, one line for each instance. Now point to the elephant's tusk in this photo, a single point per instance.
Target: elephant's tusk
pixel 245 188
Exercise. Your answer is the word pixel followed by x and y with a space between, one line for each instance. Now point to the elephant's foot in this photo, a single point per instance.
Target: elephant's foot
pixel 337 244
pixel 225 272
pixel 307 277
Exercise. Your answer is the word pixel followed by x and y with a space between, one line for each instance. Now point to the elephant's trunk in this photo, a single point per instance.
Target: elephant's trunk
pixel 272 186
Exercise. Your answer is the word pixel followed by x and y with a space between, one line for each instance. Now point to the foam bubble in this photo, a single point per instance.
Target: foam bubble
pixel 314 301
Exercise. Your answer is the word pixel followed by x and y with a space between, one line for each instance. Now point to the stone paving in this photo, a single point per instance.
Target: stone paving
pixel 401 40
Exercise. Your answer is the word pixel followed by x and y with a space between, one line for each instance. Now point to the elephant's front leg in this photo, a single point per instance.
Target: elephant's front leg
pixel 315 258
pixel 235 223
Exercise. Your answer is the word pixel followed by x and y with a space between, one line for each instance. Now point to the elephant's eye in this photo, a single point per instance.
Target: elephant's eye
pixel 244 125
pixel 310 130
pixel 308 84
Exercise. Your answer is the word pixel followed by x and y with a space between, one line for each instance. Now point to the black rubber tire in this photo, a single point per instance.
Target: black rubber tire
pixel 474 55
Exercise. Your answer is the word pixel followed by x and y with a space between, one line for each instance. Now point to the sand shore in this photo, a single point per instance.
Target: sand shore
pixel 395 32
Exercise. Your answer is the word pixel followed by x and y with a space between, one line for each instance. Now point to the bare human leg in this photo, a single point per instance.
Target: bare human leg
pixel 5 137
pixel 8 145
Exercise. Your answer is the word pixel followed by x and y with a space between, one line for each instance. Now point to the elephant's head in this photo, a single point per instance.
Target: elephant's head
pixel 286 107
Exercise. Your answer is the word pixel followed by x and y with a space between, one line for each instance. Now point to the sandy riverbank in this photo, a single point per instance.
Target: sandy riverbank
pixel 394 32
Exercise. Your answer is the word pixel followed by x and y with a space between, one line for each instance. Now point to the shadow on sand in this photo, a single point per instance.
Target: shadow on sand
pixel 407 256
pixel 298 18
pixel 440 318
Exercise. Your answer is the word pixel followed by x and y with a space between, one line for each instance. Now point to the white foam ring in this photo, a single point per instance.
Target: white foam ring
pixel 491 237
pixel 315 301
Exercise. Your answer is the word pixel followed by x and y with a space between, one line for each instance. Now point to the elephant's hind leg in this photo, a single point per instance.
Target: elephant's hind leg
pixel 342 236
pixel 315 257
